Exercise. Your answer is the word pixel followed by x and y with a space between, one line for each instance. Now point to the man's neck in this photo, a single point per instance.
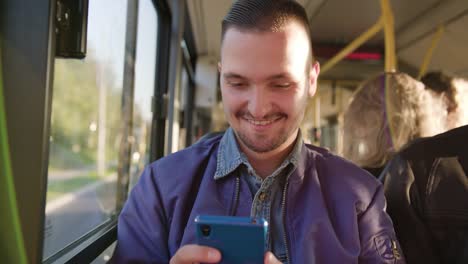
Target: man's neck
pixel 266 163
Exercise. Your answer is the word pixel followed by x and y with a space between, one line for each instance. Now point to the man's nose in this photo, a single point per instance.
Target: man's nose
pixel 259 103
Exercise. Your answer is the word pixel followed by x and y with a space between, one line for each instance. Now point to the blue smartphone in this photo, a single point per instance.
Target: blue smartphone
pixel 240 239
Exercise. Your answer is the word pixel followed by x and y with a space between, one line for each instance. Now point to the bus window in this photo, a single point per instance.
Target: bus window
pixel 85 126
pixel 147 38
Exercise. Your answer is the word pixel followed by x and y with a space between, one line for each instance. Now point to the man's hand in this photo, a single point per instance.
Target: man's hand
pixel 271 259
pixel 200 254
pixel 196 254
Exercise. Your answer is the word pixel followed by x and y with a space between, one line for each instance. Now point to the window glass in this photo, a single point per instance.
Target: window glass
pixel 144 87
pixel 85 126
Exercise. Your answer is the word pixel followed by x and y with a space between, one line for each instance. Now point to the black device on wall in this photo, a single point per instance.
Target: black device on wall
pixel 71 24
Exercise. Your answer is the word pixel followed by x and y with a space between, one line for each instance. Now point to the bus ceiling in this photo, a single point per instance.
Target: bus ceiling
pixel 382 35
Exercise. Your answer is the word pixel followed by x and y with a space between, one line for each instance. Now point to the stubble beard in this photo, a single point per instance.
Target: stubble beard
pixel 262 144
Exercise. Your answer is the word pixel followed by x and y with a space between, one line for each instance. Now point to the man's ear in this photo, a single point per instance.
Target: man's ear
pixel 219 66
pixel 313 78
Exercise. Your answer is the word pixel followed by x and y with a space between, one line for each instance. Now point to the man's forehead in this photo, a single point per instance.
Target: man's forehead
pixel 277 51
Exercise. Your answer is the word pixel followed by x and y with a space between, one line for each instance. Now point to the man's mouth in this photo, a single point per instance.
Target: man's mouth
pixel 263 122
pixel 260 122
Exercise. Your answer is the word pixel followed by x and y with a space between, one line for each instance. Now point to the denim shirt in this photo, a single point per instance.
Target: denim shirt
pixel 267 194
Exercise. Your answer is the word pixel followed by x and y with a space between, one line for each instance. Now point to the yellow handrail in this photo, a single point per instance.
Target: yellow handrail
pixel 385 23
pixel 427 58
pixel 389 32
pixel 353 45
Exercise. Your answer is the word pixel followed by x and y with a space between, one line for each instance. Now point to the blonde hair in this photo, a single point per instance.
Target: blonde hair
pixel 385 113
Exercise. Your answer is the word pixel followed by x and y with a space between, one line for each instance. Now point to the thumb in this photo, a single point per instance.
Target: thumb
pixel 271 259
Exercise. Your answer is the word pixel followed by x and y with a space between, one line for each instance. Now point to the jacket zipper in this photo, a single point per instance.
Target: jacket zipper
pixel 283 210
pixel 236 197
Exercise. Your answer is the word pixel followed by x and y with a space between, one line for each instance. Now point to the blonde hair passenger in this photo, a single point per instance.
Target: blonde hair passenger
pixel 381 118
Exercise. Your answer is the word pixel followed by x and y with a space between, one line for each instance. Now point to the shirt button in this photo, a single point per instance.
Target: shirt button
pixel 262 196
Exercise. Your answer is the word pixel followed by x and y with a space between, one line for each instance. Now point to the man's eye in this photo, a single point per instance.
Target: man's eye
pixel 282 85
pixel 236 84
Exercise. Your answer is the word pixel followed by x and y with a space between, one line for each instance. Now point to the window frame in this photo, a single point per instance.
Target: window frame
pixel 28 37
pixel 36 92
pixel 88 247
pixel 158 126
pixel 34 114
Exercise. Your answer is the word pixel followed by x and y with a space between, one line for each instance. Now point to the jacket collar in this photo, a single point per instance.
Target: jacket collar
pixel 304 162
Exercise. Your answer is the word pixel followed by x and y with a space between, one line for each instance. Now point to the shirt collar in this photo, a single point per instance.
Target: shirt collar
pixel 230 157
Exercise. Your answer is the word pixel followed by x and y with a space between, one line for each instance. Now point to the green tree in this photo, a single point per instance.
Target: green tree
pixel 75 112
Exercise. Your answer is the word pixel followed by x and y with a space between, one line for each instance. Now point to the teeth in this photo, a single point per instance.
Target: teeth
pixel 260 122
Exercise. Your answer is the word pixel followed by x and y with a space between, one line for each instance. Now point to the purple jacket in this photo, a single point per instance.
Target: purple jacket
pixel 335 212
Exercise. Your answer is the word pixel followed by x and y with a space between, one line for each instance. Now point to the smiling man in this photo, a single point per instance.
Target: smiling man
pixel 267 76
pixel 320 208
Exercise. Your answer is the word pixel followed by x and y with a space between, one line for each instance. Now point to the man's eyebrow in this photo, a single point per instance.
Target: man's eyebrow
pixel 283 75
pixel 231 75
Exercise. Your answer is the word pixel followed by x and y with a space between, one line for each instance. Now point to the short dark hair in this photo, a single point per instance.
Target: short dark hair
pixel 264 16
pixel 442 83
pixel 438 81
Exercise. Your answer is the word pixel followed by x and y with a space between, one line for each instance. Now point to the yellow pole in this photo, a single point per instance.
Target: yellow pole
pixel 389 32
pixel 353 45
pixel 427 58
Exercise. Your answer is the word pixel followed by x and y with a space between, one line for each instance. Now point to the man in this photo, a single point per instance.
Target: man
pixel 426 185
pixel 321 209
pixel 454 92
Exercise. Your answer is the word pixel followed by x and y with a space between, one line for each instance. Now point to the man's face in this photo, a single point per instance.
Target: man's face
pixel 266 78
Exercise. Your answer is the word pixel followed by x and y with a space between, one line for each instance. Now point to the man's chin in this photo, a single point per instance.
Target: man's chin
pixel 259 146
